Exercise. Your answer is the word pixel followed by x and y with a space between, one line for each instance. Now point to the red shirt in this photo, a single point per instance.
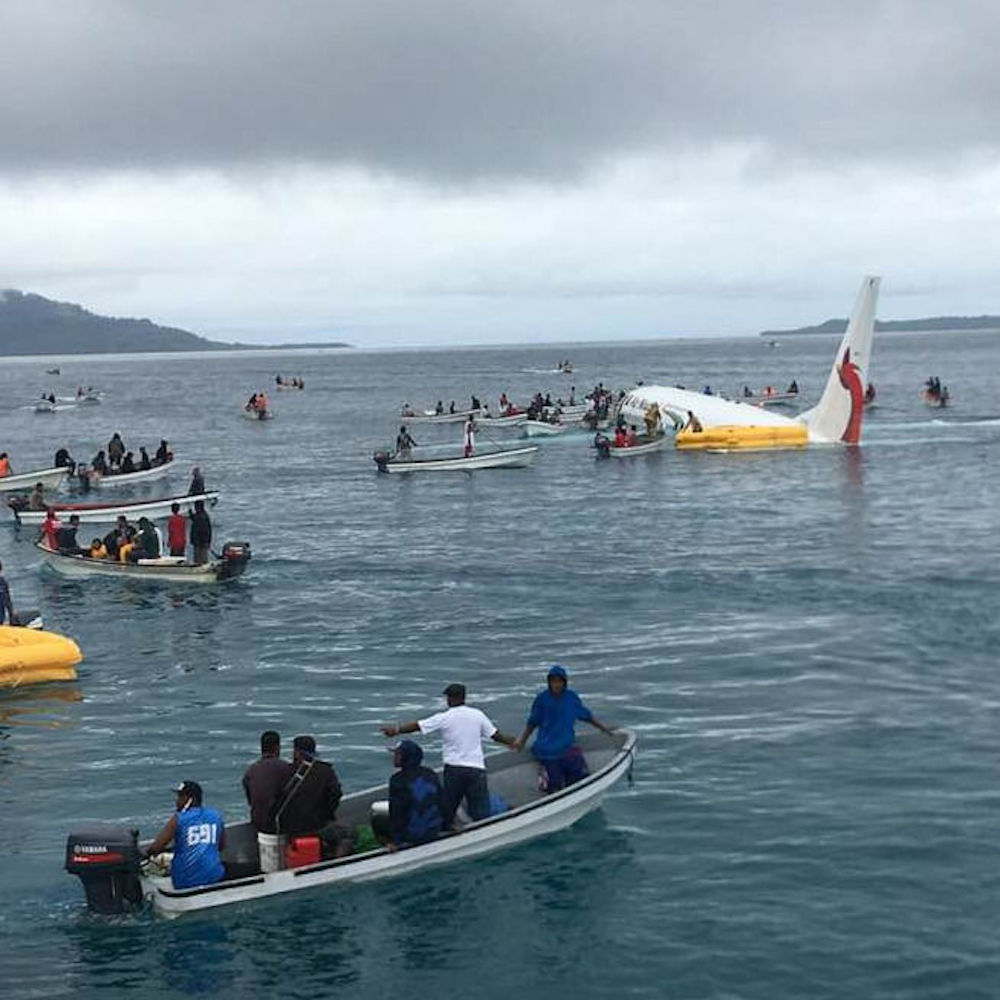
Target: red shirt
pixel 176 531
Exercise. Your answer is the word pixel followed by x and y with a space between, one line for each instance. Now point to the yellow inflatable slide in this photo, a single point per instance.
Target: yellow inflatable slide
pixel 31 656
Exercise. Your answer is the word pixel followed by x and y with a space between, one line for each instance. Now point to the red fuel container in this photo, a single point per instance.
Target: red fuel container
pixel 302 851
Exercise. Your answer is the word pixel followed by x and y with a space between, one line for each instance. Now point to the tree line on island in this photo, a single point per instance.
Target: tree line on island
pixel 32 324
pixel 951 324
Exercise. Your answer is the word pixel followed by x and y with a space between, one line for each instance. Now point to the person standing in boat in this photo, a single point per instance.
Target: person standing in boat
pixel 554 713
pixel 264 780
pixel 162 455
pixel 6 605
pixel 198 835
pixel 197 482
pixel 201 532
pixel 176 531
pixel 128 464
pixel 144 462
pixel 64 460
pixel 416 810
pixel 5 469
pixel 404 442
pixel 463 730
pixel 469 438
pixel 116 450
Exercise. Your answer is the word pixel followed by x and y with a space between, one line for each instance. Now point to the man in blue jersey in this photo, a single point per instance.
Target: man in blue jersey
pixel 554 713
pixel 198 835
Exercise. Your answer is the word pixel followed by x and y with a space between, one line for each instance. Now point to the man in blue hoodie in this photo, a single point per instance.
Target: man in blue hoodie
pixel 554 713
pixel 416 810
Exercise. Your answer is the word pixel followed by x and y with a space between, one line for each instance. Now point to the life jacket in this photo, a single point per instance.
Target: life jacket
pixel 4 467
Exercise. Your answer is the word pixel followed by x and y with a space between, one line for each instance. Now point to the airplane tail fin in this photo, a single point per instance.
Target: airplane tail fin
pixel 838 414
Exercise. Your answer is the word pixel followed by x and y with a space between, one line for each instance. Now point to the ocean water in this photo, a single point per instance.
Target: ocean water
pixel 806 644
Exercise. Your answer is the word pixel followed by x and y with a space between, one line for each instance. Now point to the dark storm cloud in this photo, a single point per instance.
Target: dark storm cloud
pixel 465 90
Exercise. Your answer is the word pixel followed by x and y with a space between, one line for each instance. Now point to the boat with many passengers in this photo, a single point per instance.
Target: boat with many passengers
pixel 503 458
pixel 24 482
pixel 108 513
pixel 231 563
pixel 113 479
pixel 512 776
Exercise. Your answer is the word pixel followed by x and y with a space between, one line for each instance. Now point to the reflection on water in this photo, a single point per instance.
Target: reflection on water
pixel 37 705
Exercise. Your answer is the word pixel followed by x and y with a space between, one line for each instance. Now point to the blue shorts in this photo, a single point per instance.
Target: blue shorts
pixel 565 770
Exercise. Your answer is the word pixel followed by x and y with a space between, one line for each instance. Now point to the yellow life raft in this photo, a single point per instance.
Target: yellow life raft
pixel 732 437
pixel 31 656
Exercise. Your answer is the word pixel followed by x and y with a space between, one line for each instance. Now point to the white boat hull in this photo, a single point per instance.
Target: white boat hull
pixel 25 481
pixel 109 513
pixel 78 567
pixel 141 476
pixel 511 775
pixel 644 447
pixel 513 420
pixel 509 459
pixel 540 428
pixel 459 417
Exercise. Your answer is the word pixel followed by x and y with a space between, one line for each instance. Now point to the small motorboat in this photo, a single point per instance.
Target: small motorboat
pixel 255 414
pixel 108 513
pixel 24 482
pixel 51 371
pixel 45 406
pixel 106 857
pixel 504 458
pixel 89 398
pixel 113 479
pixel 433 417
pixel 543 428
pixel 231 563
pixel 645 445
pixel 29 655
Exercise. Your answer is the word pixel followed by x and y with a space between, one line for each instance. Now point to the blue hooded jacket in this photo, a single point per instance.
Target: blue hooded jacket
pixel 554 717
pixel 415 808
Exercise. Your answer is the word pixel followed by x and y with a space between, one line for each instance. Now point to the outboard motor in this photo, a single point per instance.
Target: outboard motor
pixel 106 858
pixel 381 460
pixel 235 556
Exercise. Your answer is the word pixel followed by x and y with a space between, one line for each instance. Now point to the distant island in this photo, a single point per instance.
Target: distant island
pixel 949 324
pixel 33 324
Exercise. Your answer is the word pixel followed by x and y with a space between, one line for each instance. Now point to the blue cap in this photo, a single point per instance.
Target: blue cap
pixel 556 671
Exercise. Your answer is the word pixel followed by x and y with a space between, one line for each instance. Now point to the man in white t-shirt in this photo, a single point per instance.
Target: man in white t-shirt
pixel 463 730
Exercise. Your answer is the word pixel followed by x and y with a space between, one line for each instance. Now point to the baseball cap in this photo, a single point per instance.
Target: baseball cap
pixel 455 691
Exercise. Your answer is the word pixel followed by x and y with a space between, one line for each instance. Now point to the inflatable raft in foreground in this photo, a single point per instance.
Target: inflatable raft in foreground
pixel 31 656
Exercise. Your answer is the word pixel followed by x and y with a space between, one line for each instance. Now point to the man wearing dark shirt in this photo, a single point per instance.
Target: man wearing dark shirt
pixel 201 532
pixel 6 606
pixel 311 800
pixel 416 804
pixel 264 780
pixel 66 536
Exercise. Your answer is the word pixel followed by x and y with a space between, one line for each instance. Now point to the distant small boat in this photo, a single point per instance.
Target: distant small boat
pixel 258 414
pixel 504 458
pixel 446 417
pixel 772 399
pixel 45 406
pixel 51 371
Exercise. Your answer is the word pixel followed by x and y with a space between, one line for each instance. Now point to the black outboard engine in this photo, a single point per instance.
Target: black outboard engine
pixel 381 460
pixel 27 618
pixel 235 556
pixel 107 860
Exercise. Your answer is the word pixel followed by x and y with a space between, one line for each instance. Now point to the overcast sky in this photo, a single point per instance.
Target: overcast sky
pixel 395 173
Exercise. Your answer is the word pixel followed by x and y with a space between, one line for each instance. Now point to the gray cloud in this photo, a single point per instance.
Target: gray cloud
pixel 465 91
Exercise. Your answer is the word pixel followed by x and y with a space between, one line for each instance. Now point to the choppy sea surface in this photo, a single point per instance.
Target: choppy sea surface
pixel 806 643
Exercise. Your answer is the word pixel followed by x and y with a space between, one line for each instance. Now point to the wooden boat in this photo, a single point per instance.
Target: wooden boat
pixel 170 569
pixel 644 446
pixel 507 458
pixel 108 513
pixel 512 776
pixel 24 482
pixel 33 656
pixel 114 479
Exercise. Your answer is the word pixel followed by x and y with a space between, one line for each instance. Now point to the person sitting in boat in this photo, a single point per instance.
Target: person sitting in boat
pixel 451 407
pixel 707 390
pixel 163 454
pixel 99 464
pixel 51 397
pixel 747 392
pixel 554 713
pixel 146 543
pixel 264 780
pixel 404 442
pixel 439 408
pixel 694 424
pixel 407 411
pixel 97 550
pixel 621 438
pixel 116 451
pixel 793 389
pixel 128 464
pixel 416 809
pixel 476 405
pixel 870 393
pixel 197 482
pixel 118 537
pixel 50 527
pixel 310 799
pixel 6 605
pixel 65 536
pixel 5 469
pixel 37 499
pixel 504 404
pixel 631 438
pixel 144 462
pixel 277 380
pixel 64 460
pixel 198 834
pixel 463 730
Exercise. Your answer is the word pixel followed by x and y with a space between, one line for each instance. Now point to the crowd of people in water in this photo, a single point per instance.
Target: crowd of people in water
pixel 294 803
